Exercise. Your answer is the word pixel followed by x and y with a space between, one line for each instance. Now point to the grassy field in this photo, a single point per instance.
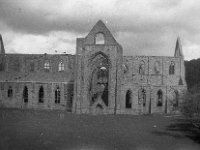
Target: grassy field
pixel 56 130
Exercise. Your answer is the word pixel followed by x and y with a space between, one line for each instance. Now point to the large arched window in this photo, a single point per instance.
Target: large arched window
pixel 99 39
pixel 159 98
pixel 41 94
pixel 172 68
pixel 128 99
pixel 142 68
pixel 142 97
pixel 25 94
pixel 98 83
pixel 10 92
pixel 57 95
pixel 61 66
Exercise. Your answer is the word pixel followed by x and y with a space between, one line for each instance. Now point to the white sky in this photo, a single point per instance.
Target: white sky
pixel 142 27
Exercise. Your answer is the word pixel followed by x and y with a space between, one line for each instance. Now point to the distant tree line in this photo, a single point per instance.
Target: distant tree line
pixel 192 74
pixel 191 102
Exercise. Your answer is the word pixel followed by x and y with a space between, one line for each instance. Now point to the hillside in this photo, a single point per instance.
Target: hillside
pixel 192 72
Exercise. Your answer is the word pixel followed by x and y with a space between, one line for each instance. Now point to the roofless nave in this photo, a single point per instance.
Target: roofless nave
pixel 98 79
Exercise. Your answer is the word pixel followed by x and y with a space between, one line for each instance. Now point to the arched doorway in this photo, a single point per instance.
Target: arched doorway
pixel 99 84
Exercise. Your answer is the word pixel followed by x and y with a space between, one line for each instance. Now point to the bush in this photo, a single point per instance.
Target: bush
pixel 191 106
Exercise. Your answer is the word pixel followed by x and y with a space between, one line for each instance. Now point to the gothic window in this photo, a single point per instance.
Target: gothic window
pixel 99 38
pixel 47 66
pixel 157 67
pixel 98 82
pixel 61 66
pixel 57 95
pixel 25 95
pixel 41 94
pixel 141 68
pixel 10 92
pixel 128 99
pixel 32 67
pixel 159 98
pixel 142 97
pixel 172 68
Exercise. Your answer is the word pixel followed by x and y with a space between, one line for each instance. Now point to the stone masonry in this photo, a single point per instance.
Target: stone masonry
pixel 98 79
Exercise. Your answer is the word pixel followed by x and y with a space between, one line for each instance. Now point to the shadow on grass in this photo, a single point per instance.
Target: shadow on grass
pixel 167 133
pixel 180 129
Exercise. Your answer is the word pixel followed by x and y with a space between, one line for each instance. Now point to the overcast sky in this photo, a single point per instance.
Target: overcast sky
pixel 142 27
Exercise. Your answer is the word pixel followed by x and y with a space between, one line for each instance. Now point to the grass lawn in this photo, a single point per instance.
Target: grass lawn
pixel 57 130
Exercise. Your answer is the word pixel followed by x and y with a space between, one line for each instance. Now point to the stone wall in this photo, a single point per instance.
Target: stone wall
pixel 152 80
pixel 23 67
pixel 90 56
pixel 22 70
pixel 153 87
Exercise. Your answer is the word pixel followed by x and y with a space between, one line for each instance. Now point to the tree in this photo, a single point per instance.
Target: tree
pixel 191 105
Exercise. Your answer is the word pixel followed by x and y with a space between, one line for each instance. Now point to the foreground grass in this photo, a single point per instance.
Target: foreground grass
pixel 56 130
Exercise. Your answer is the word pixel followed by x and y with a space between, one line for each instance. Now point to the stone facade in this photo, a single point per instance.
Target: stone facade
pixel 97 80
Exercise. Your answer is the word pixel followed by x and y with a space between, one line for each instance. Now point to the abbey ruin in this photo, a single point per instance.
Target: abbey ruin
pixel 98 79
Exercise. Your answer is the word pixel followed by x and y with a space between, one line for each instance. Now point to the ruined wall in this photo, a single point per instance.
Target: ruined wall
pixel 90 56
pixel 24 67
pixel 155 77
pixel 22 70
pixel 145 81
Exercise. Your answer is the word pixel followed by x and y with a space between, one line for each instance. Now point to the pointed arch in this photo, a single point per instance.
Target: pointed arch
pixel 100 27
pixel 61 66
pixel 142 96
pixel 41 95
pixel 57 95
pixel 172 68
pixel 97 56
pixel 128 99
pixel 142 68
pixel 99 66
pixel 99 80
pixel 10 92
pixel 25 94
pixel 159 98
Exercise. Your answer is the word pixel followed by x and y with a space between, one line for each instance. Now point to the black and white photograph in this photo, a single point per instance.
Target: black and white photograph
pixel 99 75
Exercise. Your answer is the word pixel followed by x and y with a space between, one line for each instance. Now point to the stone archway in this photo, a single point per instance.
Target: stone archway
pixel 99 83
